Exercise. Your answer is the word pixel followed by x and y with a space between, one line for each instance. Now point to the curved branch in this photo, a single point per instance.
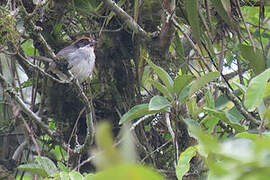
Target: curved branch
pixel 238 104
pixel 126 18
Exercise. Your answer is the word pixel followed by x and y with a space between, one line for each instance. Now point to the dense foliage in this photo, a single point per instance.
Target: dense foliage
pixel 180 90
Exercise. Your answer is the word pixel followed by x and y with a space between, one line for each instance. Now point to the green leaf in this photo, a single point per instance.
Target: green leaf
pixel 127 171
pixel 210 122
pixel 28 48
pixel 267 90
pixel 180 82
pixel 256 59
pixel 222 100
pixel 62 167
pixel 183 162
pixel 139 111
pixel 234 115
pixel 256 89
pixel 228 117
pixel 162 74
pixel 46 164
pixel 183 96
pixel 193 18
pixel 158 103
pixel 202 81
pixel 163 89
pixel 74 175
pixel 34 169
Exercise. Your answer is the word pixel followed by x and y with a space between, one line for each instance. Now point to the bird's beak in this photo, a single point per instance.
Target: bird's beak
pixel 93 42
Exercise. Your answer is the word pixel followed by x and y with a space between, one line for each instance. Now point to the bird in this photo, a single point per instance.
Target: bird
pixel 80 58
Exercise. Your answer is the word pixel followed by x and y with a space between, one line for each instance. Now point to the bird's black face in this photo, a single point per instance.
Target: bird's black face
pixel 84 42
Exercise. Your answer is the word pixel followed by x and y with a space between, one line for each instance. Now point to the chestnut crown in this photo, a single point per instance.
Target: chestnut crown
pixel 84 41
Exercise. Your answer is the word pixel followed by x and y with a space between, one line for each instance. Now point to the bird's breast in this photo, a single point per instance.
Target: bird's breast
pixel 84 67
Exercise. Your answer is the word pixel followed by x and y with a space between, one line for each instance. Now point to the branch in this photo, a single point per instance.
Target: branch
pixel 132 24
pixel 238 104
pixel 167 28
pixel 42 72
pixel 89 118
pixel 14 96
pixel 11 91
pixel 35 33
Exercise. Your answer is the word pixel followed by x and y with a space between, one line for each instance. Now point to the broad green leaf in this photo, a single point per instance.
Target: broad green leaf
pixel 210 122
pixel 137 112
pixel 183 162
pixel 267 90
pixel 28 48
pixel 228 117
pixel 255 59
pixel 46 164
pixel 162 74
pixel 202 81
pixel 183 96
pixel 74 175
pixel 234 115
pixel 222 100
pixel 163 89
pixel 127 172
pixel 34 169
pixel 256 89
pixel 193 18
pixel 180 82
pixel 158 103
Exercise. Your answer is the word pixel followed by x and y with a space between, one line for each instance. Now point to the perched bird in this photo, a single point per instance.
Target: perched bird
pixel 81 57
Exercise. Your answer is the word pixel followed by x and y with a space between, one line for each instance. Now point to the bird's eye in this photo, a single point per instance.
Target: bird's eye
pixel 82 43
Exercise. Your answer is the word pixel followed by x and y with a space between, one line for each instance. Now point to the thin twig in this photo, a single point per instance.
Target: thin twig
pixel 31 134
pixel 73 131
pixel 168 121
pixel 35 67
pixel 245 24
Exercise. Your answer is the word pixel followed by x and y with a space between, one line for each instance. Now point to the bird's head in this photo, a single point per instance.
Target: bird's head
pixel 84 41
